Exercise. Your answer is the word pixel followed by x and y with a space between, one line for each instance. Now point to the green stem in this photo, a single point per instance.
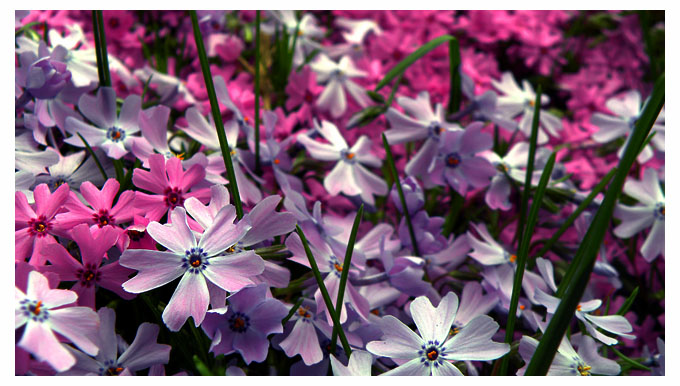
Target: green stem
pixel 94 156
pixel 522 254
pixel 454 68
pixel 345 270
pixel 402 199
pixel 100 49
pixel 292 311
pixel 324 293
pixel 217 116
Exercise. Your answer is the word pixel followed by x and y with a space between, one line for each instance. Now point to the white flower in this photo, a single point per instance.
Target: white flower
pixel 569 363
pixel 337 75
pixel 521 101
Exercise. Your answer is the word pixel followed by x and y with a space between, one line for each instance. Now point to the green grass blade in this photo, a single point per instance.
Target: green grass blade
pixel 257 92
pixel 409 60
pixel 587 251
pixel 100 49
pixel 94 156
pixel 631 362
pixel 582 206
pixel 522 254
pixel 397 183
pixel 217 116
pixel 324 292
pixel 530 165
pixel 454 67
pixel 292 311
pixel 629 302
pixel 345 269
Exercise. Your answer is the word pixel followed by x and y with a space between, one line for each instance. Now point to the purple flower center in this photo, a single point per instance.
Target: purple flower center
pixel 239 322
pixel 115 134
pixel 173 197
pixel 432 354
pixel 453 160
pixel 102 218
pixel 39 226
pixel 195 260
pixel 434 130
pixel 88 276
pixel 34 310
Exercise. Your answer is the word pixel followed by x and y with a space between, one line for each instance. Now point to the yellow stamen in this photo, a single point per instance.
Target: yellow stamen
pixel 180 156
pixel 36 310
pixel 584 370
pixel 277 161
pixel 40 227
pixel 432 355
pixel 337 267
pixel 350 155
pixel 513 258
pixel 578 308
pixel 239 323
pixel 522 307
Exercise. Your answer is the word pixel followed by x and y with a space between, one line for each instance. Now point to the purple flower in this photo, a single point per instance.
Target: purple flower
pixel 46 78
pixel 41 310
pixel 111 131
pixel 143 353
pixel 457 163
pixel 211 258
pixel 432 352
pixel 249 318
pixel 424 124
pixel 413 195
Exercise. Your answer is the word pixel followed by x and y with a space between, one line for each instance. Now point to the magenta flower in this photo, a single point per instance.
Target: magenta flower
pixel 40 310
pixel 89 273
pixel 432 352
pixel 35 228
pixel 211 262
pixel 250 317
pixel 170 182
pixel 102 211
pixel 458 164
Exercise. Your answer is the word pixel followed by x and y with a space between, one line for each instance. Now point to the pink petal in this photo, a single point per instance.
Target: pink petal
pixel 232 272
pixel 155 268
pixel 40 341
pixel 191 298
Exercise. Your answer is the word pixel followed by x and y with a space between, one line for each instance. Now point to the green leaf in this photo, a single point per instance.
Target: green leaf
pixel 409 60
pixel 454 68
pixel 530 164
pixel 292 311
pixel 100 49
pixel 397 183
pixel 324 293
pixel 585 257
pixel 257 92
pixel 217 116
pixel 345 270
pixel 201 367
pixel 631 362
pixel 522 254
pixel 572 217
pixel 629 302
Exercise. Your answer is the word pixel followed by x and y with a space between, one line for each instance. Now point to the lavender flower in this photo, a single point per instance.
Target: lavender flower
pixel 567 362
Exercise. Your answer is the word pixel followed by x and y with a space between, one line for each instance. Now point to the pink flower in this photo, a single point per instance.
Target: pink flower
pixel 35 228
pixel 102 211
pixel 89 273
pixel 40 310
pixel 170 182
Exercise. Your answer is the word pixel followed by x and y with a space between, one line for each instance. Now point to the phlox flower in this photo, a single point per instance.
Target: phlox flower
pixel 316 226
pixel 41 310
pixel 521 101
pixel 35 226
pixel 170 183
pixel 74 169
pixel 153 123
pixel 307 31
pixel 359 365
pixel 102 211
pixel 89 273
pixel 203 264
pixel 413 195
pixel 431 352
pixel 568 362
pixel 250 317
pixel 356 32
pixel 169 88
pixel 349 175
pixel 457 162
pixel 337 78
pixel 420 123
pixel 143 353
pixel 29 158
pixel 114 133
pixel 627 111
pixel 650 211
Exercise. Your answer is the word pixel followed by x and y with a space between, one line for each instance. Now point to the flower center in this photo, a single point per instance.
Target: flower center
pixel 583 369
pixel 194 260
pixel 173 197
pixel 432 354
pixel 56 182
pixel 502 167
pixel 34 310
pixel 434 130
pixel 88 276
pixel 304 312
pixel 114 370
pixel 277 161
pixel 102 218
pixel 453 160
pixel 239 322
pixel 513 258
pixel 135 235
pixel 115 134
pixel 39 226
pixel 348 156
pixel 660 212
pixel 338 267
